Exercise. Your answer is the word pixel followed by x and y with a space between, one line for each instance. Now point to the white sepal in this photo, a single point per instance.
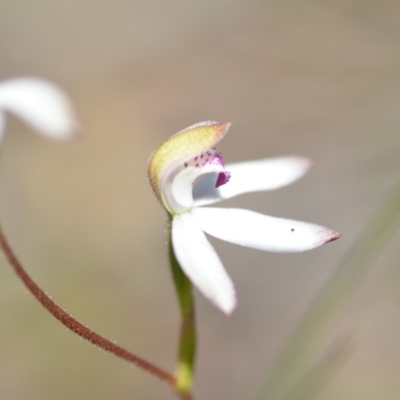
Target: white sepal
pixel 201 264
pixel 40 104
pixel 251 229
pixel 252 176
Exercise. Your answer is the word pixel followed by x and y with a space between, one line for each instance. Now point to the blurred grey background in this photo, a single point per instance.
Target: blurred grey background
pixel 319 79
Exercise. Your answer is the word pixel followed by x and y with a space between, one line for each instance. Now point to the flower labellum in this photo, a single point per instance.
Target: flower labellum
pixel 40 104
pixel 187 172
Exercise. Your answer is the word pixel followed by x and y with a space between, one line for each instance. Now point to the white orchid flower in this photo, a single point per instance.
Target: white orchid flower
pixel 186 173
pixel 40 104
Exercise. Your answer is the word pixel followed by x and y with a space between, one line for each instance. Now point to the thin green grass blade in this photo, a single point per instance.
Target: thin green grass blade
pixel 302 349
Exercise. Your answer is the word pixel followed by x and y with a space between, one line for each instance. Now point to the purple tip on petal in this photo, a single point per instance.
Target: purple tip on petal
pixel 223 177
pixel 327 235
pixel 334 236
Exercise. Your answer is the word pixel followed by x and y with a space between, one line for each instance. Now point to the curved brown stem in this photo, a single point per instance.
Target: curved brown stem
pixel 77 327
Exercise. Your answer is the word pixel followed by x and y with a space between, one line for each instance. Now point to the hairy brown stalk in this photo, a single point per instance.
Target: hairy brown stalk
pixel 77 327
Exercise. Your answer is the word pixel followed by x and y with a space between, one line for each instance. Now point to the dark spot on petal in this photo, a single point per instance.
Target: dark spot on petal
pixel 292 230
pixel 186 164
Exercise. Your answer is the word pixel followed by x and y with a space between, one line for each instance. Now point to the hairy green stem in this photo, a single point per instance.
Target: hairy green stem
pixel 184 371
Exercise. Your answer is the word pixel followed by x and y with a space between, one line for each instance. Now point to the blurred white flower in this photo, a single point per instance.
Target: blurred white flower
pixel 42 105
pixel 186 172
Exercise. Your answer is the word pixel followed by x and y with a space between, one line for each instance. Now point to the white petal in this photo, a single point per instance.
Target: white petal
pixel 201 264
pixel 252 176
pixel 248 228
pixel 41 104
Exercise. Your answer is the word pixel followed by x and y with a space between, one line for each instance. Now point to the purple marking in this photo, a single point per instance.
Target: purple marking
pixel 223 177
pixel 217 160
pixel 210 157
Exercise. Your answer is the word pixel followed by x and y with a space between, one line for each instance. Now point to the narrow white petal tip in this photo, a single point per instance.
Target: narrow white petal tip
pixel 42 105
pixel 229 307
pixel 224 301
pixel 304 162
pixel 328 235
pixel 76 132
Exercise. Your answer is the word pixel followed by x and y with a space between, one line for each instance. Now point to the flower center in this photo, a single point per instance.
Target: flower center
pixel 177 193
